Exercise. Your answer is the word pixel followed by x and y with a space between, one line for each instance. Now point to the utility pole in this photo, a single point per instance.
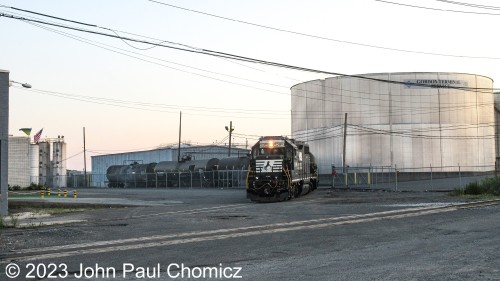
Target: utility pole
pixel 230 130
pixel 84 161
pixel 345 138
pixel 4 139
pixel 179 149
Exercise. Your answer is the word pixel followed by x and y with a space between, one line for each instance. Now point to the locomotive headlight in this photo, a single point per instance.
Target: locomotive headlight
pixel 256 178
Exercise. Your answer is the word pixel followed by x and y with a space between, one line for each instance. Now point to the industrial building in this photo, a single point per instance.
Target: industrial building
pixel 19 161
pixel 32 163
pixel 101 163
pixel 414 122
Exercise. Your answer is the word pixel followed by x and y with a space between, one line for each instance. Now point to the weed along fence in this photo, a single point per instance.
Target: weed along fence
pixel 392 178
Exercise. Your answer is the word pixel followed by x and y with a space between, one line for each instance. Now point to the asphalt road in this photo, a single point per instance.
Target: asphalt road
pixel 326 235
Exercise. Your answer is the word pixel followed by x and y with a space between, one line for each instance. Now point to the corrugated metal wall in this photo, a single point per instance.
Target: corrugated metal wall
pixel 403 125
pixel 19 164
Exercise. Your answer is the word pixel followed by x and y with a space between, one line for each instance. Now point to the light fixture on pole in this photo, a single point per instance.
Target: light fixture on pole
pixel 230 129
pixel 25 85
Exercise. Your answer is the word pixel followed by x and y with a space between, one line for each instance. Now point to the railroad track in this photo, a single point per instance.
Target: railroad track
pixel 118 245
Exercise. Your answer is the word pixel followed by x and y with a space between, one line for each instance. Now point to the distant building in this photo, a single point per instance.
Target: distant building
pixel 19 161
pixel 31 163
pixel 101 163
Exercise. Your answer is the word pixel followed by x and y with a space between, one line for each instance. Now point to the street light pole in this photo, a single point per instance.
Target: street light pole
pixel 5 83
pixel 4 141
pixel 230 129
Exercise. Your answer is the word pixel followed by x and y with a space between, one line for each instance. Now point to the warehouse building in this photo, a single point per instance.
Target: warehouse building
pixel 415 122
pixel 101 163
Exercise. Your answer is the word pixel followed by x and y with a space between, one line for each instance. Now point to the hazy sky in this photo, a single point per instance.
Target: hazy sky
pixel 129 98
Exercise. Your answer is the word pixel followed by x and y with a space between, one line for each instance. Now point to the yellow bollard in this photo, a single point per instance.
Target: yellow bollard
pixel 65 193
pixel 58 192
pixel 48 191
pixel 74 193
pixel 42 193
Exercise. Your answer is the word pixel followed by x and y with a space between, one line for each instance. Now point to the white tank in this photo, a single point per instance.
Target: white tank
pixel 34 163
pixel 443 125
pixel 59 163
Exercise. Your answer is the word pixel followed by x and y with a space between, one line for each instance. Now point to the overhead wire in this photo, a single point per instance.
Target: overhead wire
pixel 464 88
pixel 441 10
pixel 225 55
pixel 317 36
pixel 479 6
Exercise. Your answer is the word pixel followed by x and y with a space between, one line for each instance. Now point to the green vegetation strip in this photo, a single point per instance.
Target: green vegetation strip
pixel 486 188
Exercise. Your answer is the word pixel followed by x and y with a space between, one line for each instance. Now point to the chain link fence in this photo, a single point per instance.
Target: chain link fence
pixel 211 179
pixel 414 179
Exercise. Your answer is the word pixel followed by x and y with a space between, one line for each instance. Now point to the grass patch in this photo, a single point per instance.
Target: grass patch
pixel 486 188
pixel 14 220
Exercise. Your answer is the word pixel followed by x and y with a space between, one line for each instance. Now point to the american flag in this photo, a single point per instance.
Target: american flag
pixel 36 138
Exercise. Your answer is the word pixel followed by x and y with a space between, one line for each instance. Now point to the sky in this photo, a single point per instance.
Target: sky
pixel 129 95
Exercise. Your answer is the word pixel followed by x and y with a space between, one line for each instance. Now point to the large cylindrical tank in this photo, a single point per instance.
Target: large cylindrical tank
pixel 166 166
pixel 34 164
pixel 233 163
pixel 420 122
pixel 59 177
pixel 198 165
pixel 131 176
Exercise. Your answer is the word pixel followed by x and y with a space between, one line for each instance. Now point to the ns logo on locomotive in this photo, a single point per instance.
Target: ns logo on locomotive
pixel 280 169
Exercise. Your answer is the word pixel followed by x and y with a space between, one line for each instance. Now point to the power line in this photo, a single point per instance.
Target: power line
pixel 319 37
pixel 442 10
pixel 471 5
pixel 230 56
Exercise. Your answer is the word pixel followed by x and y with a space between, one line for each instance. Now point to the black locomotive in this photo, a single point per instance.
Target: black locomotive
pixel 280 169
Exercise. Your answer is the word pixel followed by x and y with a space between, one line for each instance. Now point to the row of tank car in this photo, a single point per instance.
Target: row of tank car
pixel 213 172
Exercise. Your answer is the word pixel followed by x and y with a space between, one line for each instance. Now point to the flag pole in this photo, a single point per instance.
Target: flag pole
pixel 84 161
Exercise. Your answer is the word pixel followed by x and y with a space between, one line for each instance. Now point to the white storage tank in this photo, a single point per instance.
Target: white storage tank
pixel 422 121
pixel 34 164
pixel 59 177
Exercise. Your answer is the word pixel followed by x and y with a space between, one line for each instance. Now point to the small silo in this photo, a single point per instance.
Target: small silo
pixel 44 163
pixel 59 177
pixel 34 164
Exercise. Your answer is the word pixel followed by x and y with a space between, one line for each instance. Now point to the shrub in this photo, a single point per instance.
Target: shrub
pixel 487 186
pixel 34 186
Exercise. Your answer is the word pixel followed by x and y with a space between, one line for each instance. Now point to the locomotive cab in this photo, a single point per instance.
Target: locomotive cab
pixel 278 170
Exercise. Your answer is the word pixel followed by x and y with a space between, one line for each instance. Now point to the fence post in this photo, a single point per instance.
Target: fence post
pixel 460 176
pixel 396 173
pixel 370 176
pixel 431 175
pixel 346 177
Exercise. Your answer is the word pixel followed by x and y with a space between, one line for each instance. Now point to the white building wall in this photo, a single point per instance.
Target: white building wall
pixel 19 164
pixel 411 127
